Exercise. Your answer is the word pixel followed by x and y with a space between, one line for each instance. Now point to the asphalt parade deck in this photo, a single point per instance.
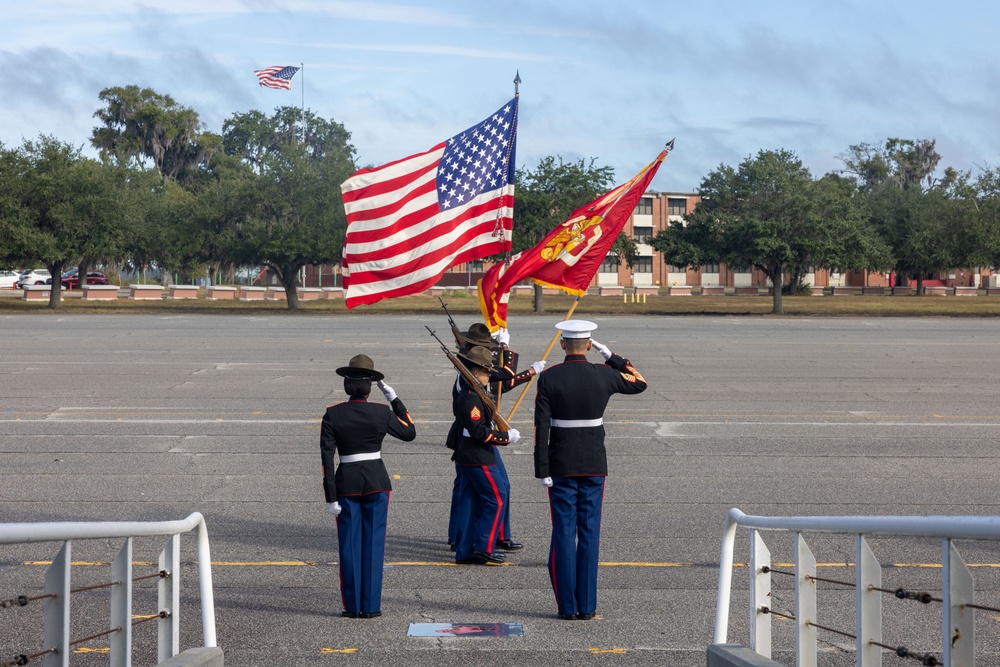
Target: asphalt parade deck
pixel 151 417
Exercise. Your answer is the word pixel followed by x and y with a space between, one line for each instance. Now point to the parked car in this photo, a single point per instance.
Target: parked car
pixel 8 279
pixel 33 277
pixel 71 279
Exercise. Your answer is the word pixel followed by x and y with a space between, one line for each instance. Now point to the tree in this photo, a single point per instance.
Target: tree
pixel 139 124
pixel 770 214
pixel 289 212
pixel 910 208
pixel 60 206
pixel 549 194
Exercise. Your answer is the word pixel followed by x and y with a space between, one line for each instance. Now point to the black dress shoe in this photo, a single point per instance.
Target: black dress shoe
pixel 584 617
pixel 567 617
pixel 370 614
pixel 509 545
pixel 484 558
pixel 350 614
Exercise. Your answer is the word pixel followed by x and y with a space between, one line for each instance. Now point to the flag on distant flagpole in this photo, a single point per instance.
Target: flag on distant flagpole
pixel 411 220
pixel 569 256
pixel 279 76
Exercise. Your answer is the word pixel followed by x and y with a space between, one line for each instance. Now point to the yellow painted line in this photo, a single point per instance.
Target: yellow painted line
pixel 338 650
pixel 92 650
pixel 626 564
pixel 616 651
pixel 144 615
pixel 75 562
pixel 396 477
pixel 264 563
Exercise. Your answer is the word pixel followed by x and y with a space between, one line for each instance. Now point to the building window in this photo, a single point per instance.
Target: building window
pixel 610 264
pixel 676 206
pixel 642 234
pixel 672 268
pixel 710 267
pixel 476 266
pixel 643 265
pixel 645 206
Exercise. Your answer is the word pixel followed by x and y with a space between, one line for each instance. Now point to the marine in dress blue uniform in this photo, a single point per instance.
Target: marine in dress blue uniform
pixel 358 492
pixel 503 376
pixel 571 460
pixel 475 457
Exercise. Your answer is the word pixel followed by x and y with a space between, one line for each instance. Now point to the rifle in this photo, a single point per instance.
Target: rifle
pixel 454 329
pixel 474 383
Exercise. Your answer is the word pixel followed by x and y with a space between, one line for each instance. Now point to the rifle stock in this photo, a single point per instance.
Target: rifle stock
pixel 502 423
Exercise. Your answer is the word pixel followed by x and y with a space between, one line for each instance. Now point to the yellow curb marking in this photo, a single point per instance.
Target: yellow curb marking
pixel 616 651
pixel 338 650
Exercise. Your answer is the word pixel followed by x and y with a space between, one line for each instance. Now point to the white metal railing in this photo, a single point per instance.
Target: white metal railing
pixel 958 637
pixel 57 583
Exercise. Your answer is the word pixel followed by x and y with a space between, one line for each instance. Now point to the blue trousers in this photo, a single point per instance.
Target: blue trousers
pixel 576 504
pixel 482 526
pixel 462 500
pixel 361 537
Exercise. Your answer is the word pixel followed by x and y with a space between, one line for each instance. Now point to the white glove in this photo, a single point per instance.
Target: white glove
pixel 335 508
pixel 539 366
pixel 387 391
pixel 502 336
pixel 546 482
pixel 603 349
pixel 513 435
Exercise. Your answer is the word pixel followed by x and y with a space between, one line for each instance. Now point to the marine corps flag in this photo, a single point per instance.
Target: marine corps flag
pixel 569 256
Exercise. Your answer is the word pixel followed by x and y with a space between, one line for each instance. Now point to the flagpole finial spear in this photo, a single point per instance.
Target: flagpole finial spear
pixel 517 82
pixel 670 145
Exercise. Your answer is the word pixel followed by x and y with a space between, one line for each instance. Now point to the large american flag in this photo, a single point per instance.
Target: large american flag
pixel 279 76
pixel 411 220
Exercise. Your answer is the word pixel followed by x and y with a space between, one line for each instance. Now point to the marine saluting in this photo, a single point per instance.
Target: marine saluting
pixel 571 460
pixel 358 492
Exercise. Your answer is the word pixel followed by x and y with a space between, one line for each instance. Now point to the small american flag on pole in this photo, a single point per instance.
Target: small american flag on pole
pixel 411 220
pixel 279 76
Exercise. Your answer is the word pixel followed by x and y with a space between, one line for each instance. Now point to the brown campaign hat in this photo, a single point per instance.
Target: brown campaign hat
pixel 478 334
pixel 360 367
pixel 479 356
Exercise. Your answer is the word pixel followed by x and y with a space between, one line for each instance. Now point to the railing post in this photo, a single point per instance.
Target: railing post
pixel 760 595
pixel 121 607
pixel 958 620
pixel 205 578
pixel 56 610
pixel 725 579
pixel 806 647
pixel 169 597
pixel 868 605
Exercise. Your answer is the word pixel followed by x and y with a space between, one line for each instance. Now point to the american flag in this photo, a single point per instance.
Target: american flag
pixel 279 76
pixel 411 220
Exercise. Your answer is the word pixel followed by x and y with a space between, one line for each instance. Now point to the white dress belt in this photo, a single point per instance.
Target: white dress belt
pixel 354 458
pixel 576 423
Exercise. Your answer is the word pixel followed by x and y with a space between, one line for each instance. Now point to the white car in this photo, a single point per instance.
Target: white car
pixel 33 277
pixel 8 279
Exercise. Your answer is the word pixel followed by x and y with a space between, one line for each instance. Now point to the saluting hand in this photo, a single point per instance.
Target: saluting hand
pixel 387 391
pixel 335 508
pixel 603 349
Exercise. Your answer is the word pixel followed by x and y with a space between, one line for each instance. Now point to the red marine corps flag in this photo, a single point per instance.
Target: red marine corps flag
pixel 569 256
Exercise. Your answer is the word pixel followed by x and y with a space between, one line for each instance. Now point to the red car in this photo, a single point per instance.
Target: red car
pixel 71 279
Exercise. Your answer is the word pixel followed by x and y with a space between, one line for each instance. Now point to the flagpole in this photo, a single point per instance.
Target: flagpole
pixel 545 356
pixel 303 68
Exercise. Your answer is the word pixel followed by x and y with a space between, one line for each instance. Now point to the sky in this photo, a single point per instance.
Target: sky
pixel 608 81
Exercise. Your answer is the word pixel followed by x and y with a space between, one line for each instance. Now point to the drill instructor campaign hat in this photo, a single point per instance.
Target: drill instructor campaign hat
pixel 360 367
pixel 576 328
pixel 478 334
pixel 478 356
